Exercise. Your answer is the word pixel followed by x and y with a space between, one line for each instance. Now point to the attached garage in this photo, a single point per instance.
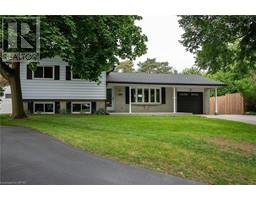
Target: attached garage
pixel 190 102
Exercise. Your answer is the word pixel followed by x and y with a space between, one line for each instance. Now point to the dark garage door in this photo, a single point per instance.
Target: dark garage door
pixel 191 102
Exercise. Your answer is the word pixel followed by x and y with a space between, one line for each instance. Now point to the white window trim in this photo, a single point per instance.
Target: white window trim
pixel 149 97
pixel 53 75
pixel 43 102
pixel 83 102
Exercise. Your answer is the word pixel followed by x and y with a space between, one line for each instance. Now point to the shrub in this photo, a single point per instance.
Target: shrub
pixel 102 111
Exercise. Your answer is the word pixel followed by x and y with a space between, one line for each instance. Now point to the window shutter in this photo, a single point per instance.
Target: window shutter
pixel 29 73
pixel 30 107
pixel 57 107
pixel 163 95
pixel 56 72
pixel 68 107
pixel 94 107
pixel 127 95
pixel 68 73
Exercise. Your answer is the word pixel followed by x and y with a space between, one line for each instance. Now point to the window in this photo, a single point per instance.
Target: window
pixel 45 72
pixel 8 96
pixel 152 95
pixel 39 73
pixel 44 107
pixel 133 95
pixel 86 108
pixel 39 108
pixel 195 94
pixel 146 95
pixel 183 93
pixel 139 95
pixel 48 72
pixel 81 107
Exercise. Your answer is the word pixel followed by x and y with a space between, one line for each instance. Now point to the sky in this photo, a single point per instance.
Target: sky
pixel 163 34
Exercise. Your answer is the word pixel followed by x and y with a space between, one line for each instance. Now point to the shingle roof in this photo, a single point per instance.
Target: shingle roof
pixel 165 79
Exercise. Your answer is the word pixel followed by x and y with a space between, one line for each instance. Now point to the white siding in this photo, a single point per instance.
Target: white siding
pixel 60 89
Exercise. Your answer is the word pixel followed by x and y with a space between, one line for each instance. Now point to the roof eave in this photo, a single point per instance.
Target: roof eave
pixel 157 83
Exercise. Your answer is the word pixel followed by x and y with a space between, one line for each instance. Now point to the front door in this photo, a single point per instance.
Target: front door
pixel 110 102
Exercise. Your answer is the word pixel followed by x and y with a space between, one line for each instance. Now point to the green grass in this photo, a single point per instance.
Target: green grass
pixel 207 150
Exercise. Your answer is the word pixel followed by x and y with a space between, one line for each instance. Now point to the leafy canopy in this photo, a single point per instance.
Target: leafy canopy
pixel 192 70
pixel 125 66
pixel 152 66
pixel 221 42
pixel 91 44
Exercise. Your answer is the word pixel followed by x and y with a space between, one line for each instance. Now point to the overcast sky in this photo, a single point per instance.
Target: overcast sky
pixel 163 34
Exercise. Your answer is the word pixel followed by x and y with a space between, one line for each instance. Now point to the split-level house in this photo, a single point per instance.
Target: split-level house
pixel 53 88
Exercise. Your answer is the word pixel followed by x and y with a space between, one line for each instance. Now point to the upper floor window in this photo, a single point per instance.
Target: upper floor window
pixel 44 72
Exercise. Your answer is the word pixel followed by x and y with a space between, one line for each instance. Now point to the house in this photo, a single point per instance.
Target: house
pixel 6 101
pixel 52 88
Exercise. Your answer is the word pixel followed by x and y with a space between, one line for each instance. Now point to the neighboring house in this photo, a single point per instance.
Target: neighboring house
pixel 6 101
pixel 52 88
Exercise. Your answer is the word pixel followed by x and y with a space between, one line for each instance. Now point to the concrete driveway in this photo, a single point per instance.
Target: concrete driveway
pixel 250 119
pixel 29 157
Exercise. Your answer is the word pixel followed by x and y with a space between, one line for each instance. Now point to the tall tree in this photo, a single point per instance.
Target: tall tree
pixel 90 44
pixel 152 66
pixel 125 66
pixel 220 42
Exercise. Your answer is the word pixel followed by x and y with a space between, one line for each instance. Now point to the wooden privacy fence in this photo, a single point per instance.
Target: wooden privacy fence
pixel 228 104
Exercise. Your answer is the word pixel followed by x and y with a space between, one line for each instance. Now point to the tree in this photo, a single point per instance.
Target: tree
pixel 152 66
pixel 226 77
pixel 247 86
pixel 220 42
pixel 192 70
pixel 90 44
pixel 125 66
pixel 3 83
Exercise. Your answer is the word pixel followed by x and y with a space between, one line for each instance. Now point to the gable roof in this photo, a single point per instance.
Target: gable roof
pixel 160 79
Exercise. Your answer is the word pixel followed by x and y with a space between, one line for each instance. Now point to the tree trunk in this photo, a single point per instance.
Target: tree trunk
pixel 17 103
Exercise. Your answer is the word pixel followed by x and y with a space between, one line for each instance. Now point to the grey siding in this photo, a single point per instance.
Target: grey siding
pixel 61 89
pixel 120 106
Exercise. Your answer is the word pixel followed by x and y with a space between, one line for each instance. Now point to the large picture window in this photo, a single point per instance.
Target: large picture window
pixel 81 107
pixel 44 72
pixel 146 95
pixel 44 107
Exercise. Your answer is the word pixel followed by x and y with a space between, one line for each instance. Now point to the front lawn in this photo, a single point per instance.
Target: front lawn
pixel 207 150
